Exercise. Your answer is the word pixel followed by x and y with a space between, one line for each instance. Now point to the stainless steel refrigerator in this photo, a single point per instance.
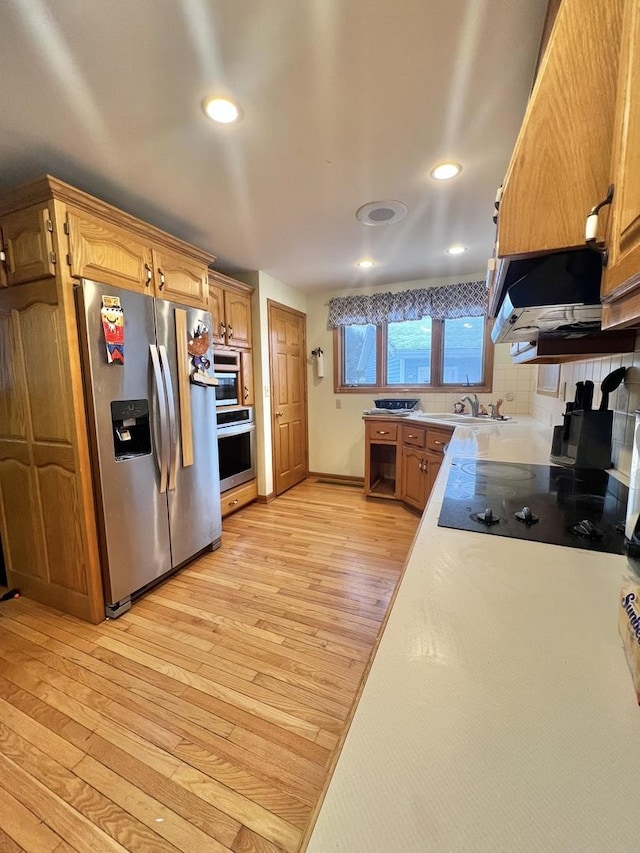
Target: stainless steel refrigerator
pixel 152 422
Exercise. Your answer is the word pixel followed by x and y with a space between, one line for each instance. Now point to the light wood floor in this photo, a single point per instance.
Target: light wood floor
pixel 209 717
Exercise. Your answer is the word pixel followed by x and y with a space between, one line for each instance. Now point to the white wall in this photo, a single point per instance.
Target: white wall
pixel 336 429
pixel 266 287
pixel 624 401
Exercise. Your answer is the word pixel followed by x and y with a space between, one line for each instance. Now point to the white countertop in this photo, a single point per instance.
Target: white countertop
pixel 499 715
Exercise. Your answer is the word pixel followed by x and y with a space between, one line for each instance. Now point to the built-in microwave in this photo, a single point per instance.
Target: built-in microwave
pixel 226 369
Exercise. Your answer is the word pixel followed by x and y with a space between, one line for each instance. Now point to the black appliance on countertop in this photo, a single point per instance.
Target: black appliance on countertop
pixel 392 406
pixel 577 507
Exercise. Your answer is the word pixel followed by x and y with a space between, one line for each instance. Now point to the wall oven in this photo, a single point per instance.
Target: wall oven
pixel 226 369
pixel 236 446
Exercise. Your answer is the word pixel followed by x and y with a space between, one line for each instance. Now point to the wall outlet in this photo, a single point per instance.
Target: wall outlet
pixel 338 404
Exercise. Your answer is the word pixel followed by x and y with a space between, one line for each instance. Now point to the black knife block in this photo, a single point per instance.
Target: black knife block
pixel 584 441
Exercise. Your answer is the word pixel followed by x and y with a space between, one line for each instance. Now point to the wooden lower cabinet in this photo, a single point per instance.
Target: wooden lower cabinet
pixel 233 499
pixel 402 460
pixel 414 477
pixel 46 507
pixel 381 459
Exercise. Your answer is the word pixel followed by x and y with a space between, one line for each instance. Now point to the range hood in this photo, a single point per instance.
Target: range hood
pixel 557 293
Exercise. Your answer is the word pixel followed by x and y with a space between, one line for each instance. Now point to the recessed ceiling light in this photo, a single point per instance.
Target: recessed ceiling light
pixel 366 264
pixel 221 110
pixel 456 250
pixel 381 212
pixel 445 171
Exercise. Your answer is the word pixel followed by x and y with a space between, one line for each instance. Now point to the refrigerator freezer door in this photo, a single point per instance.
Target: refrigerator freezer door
pixel 133 515
pixel 194 488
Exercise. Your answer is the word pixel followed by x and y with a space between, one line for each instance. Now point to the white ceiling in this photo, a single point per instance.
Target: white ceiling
pixel 345 102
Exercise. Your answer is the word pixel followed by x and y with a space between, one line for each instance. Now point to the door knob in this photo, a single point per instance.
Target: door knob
pixel 279 414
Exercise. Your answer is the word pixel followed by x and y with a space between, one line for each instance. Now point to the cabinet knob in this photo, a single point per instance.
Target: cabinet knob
pixel 161 274
pixel 246 392
pixel 382 432
pixel 233 503
pixel 439 443
pixel 149 275
pixel 591 228
pixel 411 435
pixel 229 332
pixel 223 329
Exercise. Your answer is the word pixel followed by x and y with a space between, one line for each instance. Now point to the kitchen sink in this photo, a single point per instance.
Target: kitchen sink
pixel 452 418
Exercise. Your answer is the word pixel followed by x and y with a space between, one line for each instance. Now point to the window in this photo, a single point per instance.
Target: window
pixel 418 355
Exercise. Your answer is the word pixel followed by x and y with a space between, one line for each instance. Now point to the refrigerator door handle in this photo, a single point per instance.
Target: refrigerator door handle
pixel 164 424
pixel 173 423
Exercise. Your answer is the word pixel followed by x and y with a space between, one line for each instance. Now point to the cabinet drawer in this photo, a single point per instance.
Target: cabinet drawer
pixel 235 498
pixel 414 436
pixel 437 439
pixel 382 431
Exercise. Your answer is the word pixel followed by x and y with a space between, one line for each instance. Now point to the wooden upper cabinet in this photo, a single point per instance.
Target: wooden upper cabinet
pixel 230 307
pixel 103 252
pixel 216 308
pixel 560 164
pixel 27 240
pixel 237 310
pixel 621 277
pixel 246 378
pixel 180 279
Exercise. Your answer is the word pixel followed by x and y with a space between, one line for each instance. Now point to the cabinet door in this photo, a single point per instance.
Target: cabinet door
pixel 560 164
pixel 237 310
pixel 432 463
pixel 46 517
pixel 622 272
pixel 180 279
pixel 216 307
pixel 414 477
pixel 28 244
pixel 104 253
pixel 246 378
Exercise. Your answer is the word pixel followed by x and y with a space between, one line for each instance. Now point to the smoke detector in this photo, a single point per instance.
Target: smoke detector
pixel 381 212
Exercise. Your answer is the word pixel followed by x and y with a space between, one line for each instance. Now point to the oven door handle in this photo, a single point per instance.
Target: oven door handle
pixel 236 429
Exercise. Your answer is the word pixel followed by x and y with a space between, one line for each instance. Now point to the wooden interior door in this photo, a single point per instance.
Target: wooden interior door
pixel 287 361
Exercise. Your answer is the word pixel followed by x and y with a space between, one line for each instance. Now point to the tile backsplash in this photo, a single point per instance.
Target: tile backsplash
pixel 624 401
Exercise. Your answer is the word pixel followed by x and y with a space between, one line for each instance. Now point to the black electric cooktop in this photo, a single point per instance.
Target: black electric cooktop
pixel 578 507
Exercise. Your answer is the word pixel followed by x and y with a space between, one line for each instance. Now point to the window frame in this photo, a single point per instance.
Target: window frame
pixel 436 386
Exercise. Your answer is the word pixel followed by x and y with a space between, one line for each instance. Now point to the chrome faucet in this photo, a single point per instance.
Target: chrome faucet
pixel 474 403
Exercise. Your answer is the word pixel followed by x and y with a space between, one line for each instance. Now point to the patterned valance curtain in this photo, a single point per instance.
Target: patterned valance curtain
pixel 467 299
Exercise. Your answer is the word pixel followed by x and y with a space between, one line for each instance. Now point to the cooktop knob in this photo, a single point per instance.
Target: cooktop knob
pixel 487 517
pixel 527 516
pixel 587 529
